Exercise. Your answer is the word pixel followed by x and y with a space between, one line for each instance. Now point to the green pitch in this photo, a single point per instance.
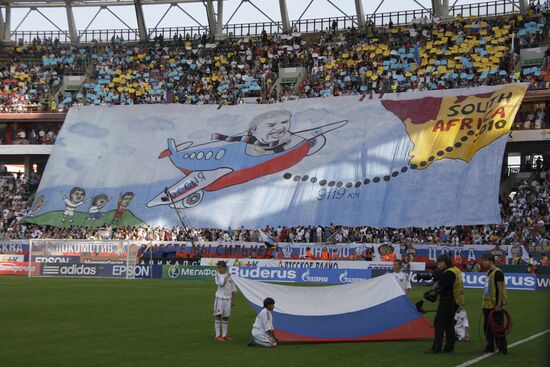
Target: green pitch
pixel 96 322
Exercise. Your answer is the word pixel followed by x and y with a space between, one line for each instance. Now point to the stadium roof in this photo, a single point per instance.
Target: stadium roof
pixel 78 3
pixel 219 25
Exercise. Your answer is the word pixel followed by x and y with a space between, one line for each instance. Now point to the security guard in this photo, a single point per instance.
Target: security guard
pixel 451 297
pixel 494 297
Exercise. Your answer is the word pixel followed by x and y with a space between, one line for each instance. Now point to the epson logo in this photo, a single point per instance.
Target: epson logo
pixel 138 270
pixel 52 260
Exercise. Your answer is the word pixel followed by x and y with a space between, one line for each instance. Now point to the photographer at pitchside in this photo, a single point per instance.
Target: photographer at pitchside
pixel 450 288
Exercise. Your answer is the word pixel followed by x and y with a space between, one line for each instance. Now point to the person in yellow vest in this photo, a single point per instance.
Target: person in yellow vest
pixel 451 297
pixel 494 297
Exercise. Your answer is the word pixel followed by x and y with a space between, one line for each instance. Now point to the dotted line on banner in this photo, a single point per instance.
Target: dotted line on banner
pixel 377 179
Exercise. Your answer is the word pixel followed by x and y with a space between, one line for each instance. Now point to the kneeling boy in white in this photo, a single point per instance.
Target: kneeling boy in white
pixel 462 325
pixel 223 302
pixel 262 330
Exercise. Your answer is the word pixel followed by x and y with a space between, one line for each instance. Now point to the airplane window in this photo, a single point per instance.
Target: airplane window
pixel 200 155
pixel 192 156
pixel 186 156
pixel 220 154
pixel 208 155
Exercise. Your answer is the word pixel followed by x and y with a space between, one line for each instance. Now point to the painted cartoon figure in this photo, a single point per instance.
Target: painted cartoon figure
pixel 123 203
pixel 98 202
pixel 271 132
pixel 268 146
pixel 39 203
pixel 75 199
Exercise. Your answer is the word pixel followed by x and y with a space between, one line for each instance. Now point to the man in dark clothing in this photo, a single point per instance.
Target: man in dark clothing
pixel 448 284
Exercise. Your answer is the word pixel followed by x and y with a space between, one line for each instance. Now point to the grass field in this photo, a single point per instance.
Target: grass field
pixel 101 322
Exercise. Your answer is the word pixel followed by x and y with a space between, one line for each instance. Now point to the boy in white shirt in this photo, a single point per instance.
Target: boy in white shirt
pixel 402 278
pixel 223 302
pixel 262 330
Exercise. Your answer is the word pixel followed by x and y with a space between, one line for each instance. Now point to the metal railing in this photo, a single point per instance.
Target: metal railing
pixel 398 18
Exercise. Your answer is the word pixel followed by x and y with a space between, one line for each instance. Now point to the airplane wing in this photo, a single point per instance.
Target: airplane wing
pixel 316 131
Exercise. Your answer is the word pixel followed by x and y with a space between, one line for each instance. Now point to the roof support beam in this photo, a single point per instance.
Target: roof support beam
pixel 444 9
pixel 70 22
pixel 523 6
pixel 219 20
pixel 1 26
pixel 440 8
pixel 142 29
pixel 120 20
pixel 341 11
pixel 436 7
pixel 360 13
pixel 284 16
pixel 190 16
pixel 211 17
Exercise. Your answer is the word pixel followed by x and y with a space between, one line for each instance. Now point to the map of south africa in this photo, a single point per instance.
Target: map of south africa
pixel 456 127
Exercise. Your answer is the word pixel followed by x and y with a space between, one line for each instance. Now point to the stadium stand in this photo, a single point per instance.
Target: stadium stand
pixel 524 219
pixel 463 52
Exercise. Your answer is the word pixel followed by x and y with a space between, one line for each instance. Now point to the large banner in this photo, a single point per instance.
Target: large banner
pixel 19 268
pixel 70 251
pixel 413 159
pixel 101 270
pixel 516 281
pixel 503 254
pixel 318 264
pixel 14 250
pixel 297 275
pixel 512 280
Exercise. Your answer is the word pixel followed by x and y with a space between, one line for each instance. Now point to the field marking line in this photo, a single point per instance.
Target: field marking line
pixel 487 355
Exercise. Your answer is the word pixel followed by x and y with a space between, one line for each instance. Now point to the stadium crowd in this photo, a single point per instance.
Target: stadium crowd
pixel 425 55
pixel 26 133
pixel 525 221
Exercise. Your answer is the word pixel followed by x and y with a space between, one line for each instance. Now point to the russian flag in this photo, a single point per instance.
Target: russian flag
pixel 267 239
pixel 372 310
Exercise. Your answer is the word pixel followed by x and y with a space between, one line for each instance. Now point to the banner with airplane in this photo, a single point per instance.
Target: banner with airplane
pixel 411 159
